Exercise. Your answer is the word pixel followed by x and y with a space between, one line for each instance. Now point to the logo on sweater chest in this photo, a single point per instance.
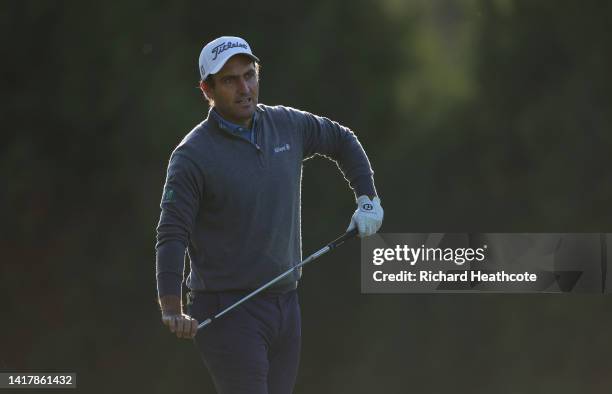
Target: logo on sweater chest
pixel 282 148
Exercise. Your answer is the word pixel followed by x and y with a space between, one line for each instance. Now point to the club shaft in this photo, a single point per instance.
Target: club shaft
pixel 273 281
pixel 310 258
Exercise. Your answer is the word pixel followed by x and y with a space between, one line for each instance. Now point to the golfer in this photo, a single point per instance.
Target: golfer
pixel 232 201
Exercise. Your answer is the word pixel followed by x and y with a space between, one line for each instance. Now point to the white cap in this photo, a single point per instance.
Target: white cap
pixel 217 52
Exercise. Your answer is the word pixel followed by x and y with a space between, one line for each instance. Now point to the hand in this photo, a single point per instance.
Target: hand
pixel 184 326
pixel 368 217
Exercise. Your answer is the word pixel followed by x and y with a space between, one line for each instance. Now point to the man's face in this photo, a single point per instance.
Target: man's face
pixel 236 90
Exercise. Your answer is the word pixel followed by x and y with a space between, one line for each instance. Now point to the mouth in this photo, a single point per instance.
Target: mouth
pixel 244 101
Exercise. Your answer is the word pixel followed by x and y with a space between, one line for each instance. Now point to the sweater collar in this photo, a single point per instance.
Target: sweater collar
pixel 230 126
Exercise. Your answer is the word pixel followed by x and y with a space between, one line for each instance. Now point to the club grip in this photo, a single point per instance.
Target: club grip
pixel 345 237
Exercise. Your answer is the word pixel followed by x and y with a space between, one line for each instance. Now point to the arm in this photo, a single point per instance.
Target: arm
pixel 330 139
pixel 180 202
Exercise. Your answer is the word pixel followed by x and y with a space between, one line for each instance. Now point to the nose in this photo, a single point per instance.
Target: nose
pixel 243 86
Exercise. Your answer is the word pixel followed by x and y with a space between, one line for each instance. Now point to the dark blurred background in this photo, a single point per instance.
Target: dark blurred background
pixel 489 115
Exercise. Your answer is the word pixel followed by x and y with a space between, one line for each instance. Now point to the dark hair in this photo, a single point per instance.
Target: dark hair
pixel 210 81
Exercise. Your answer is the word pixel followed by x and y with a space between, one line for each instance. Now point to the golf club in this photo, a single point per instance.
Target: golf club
pixel 348 235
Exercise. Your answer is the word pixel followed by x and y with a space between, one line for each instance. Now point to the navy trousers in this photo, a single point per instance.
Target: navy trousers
pixel 255 348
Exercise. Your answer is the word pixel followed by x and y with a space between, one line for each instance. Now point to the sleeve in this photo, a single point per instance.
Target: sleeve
pixel 179 206
pixel 323 136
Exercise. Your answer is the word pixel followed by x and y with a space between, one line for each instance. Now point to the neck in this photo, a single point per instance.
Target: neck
pixel 246 123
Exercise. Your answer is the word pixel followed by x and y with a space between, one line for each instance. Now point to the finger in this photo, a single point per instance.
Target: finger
pixel 180 326
pixel 188 327
pixel 186 333
pixel 171 323
pixel 194 328
pixel 361 226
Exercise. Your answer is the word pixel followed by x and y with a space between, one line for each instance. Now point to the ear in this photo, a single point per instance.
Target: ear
pixel 206 90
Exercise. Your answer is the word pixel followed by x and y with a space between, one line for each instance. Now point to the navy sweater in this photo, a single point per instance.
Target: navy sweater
pixel 235 205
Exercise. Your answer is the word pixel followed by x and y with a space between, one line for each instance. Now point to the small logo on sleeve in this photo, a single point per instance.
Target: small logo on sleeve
pixel 282 148
pixel 169 195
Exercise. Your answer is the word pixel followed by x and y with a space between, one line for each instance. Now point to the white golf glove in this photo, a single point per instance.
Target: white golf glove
pixel 368 217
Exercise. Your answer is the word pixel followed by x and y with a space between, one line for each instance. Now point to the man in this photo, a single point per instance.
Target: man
pixel 232 199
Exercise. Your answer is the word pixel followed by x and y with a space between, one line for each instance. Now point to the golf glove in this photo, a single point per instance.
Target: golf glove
pixel 368 217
